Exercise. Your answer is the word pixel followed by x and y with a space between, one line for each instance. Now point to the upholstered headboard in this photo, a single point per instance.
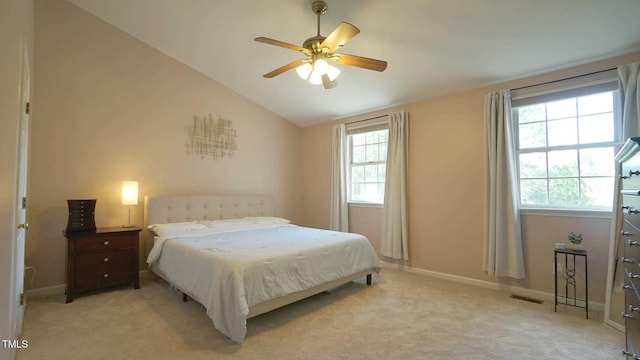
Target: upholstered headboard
pixel 171 209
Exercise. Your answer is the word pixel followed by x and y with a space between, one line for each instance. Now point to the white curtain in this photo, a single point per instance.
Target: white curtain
pixel 395 228
pixel 503 254
pixel 628 83
pixel 339 210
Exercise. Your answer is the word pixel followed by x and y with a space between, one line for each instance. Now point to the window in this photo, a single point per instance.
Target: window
pixel 367 163
pixel 565 149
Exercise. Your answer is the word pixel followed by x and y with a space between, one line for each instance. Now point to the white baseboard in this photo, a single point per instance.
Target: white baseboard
pixel 516 290
pixel 47 291
pixel 60 289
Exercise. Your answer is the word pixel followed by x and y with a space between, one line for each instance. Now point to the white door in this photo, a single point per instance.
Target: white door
pixel 21 208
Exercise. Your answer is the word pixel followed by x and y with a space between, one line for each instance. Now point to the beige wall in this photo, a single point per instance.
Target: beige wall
pixel 446 191
pixel 16 35
pixel 109 108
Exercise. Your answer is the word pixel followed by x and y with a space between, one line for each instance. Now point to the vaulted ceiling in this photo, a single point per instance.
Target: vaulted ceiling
pixel 433 47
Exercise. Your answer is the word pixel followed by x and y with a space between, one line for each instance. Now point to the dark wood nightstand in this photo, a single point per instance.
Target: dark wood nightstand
pixel 102 258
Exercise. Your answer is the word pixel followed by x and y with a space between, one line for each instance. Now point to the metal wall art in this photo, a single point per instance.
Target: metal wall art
pixel 211 137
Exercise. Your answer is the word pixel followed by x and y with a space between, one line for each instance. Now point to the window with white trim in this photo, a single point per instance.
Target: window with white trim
pixel 565 143
pixel 367 163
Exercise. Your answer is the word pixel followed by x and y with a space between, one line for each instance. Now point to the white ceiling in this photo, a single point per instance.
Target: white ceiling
pixel 433 47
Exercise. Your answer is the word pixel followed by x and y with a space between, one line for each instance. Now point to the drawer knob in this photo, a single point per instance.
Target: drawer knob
pixel 106 242
pixel 626 315
pixel 107 259
pixel 627 354
pixel 633 242
pixel 631 173
pixel 626 233
pixel 634 276
pixel 106 276
pixel 623 177
pixel 632 211
pixel 625 207
pixel 634 308
pixel 627 260
pixel 626 287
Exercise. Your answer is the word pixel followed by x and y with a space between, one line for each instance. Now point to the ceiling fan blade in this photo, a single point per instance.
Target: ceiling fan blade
pixel 339 36
pixel 282 44
pixel 327 83
pixel 280 70
pixel 359 61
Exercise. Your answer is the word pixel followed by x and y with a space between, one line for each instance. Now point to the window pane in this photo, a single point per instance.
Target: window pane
pixel 357 174
pixel 563 132
pixel 381 173
pixel 358 139
pixel 561 109
pixel 381 192
pixel 531 113
pixel 596 128
pixel 358 154
pixel 595 104
pixel 371 137
pixel 372 153
pixel 563 192
pixel 597 162
pixel 532 135
pixel 533 165
pixel 597 191
pixel 533 192
pixel 371 173
pixel 358 191
pixel 563 163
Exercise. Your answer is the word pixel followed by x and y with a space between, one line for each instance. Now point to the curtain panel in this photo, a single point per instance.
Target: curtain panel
pixel 339 209
pixel 503 253
pixel 395 222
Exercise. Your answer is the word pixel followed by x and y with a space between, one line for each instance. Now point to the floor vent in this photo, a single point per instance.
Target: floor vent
pixel 525 298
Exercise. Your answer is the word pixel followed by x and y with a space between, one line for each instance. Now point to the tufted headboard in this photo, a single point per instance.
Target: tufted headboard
pixel 171 209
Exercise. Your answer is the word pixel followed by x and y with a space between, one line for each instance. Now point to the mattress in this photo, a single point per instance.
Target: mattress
pixel 237 264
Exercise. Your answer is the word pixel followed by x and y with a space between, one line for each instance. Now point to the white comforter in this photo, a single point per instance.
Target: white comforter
pixel 231 268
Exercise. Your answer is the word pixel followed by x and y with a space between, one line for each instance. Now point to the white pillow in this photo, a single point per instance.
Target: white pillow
pixel 175 228
pixel 268 219
pixel 225 222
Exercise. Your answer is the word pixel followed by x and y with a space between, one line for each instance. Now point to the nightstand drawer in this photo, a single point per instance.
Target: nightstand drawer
pixel 107 242
pixel 104 269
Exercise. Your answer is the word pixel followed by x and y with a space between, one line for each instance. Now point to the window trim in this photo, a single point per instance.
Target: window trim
pixel 599 82
pixel 362 127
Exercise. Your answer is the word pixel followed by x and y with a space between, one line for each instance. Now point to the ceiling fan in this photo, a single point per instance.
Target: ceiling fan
pixel 321 51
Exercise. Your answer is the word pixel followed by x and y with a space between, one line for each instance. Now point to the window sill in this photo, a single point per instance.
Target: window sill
pixel 365 205
pixel 599 214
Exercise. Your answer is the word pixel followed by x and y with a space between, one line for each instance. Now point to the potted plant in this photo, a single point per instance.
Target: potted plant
pixel 575 240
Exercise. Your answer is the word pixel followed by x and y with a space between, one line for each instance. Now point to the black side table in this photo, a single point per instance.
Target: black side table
pixel 570 278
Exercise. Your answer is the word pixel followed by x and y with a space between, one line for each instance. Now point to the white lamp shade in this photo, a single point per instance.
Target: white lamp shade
pixel 333 72
pixel 129 193
pixel 315 78
pixel 304 70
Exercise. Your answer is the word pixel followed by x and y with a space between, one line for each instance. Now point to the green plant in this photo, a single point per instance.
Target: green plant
pixel 575 238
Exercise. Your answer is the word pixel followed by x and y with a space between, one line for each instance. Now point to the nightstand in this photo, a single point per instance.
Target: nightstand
pixel 102 258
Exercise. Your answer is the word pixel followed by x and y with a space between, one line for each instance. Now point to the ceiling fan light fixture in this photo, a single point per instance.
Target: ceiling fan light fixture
pixel 332 72
pixel 315 78
pixel 304 71
pixel 321 66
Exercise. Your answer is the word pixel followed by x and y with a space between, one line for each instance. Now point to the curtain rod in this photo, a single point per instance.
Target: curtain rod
pixel 559 80
pixel 373 118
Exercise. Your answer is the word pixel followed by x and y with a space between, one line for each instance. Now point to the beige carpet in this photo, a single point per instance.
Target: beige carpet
pixel 402 316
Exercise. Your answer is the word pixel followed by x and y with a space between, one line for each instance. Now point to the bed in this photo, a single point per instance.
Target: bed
pixel 229 253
